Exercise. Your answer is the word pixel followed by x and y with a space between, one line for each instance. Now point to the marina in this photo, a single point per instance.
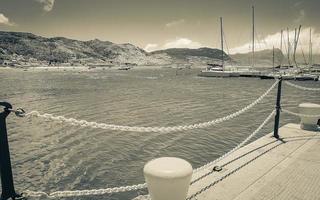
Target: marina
pixel 159 100
pixel 174 144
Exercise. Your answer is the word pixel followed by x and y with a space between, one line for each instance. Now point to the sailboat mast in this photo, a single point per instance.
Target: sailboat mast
pixel 253 36
pixel 310 49
pixel 294 45
pixel 296 41
pixel 281 47
pixel 221 36
pixel 288 46
pixel 273 58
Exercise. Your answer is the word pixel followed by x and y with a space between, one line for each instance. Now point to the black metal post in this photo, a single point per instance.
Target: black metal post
pixel 278 109
pixel 5 162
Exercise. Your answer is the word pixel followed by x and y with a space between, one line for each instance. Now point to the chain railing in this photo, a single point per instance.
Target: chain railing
pixel 72 121
pixel 77 193
pixel 211 184
pixel 7 180
pixel 301 87
pixel 84 123
pixel 239 145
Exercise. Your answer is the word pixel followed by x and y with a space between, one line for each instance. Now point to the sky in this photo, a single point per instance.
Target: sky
pixel 160 24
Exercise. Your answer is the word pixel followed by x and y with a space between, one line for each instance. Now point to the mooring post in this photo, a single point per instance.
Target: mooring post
pixel 309 123
pixel 168 178
pixel 7 184
pixel 278 109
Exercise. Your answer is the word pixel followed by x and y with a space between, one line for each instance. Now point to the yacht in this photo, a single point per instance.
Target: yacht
pixel 217 70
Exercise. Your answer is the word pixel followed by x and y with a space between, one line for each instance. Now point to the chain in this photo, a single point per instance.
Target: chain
pixel 143 197
pixel 299 114
pixel 194 195
pixel 239 145
pixel 19 112
pixel 301 87
pixel 76 193
pixel 85 123
pixel 230 173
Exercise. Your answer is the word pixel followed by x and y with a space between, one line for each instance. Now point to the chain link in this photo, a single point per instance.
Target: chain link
pixel 299 114
pixel 85 123
pixel 239 145
pixel 77 193
pixel 301 87
pixel 72 121
pixel 194 195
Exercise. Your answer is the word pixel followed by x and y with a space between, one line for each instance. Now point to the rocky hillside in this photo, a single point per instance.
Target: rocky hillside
pixel 62 50
pixel 26 49
pixel 23 48
pixel 262 58
pixel 183 53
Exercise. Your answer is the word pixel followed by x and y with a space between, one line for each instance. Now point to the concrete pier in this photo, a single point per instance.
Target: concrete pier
pixel 267 169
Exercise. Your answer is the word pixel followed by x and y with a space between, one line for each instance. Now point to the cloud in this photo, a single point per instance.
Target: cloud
pixel 151 47
pixel 47 4
pixel 274 40
pixel 298 3
pixel 5 20
pixel 301 17
pixel 175 23
pixel 176 43
pixel 182 43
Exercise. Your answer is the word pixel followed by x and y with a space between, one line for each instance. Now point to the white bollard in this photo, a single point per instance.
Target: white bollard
pixel 168 178
pixel 309 123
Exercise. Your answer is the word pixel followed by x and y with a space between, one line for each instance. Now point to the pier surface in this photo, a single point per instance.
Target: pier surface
pixel 267 168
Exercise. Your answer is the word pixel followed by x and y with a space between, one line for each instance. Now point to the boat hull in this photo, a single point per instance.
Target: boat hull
pixel 223 74
pixel 306 78
pixel 266 77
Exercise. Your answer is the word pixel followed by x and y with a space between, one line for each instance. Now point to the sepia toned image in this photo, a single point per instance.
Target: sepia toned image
pixel 160 99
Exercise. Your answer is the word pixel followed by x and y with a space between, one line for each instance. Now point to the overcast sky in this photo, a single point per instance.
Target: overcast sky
pixel 158 24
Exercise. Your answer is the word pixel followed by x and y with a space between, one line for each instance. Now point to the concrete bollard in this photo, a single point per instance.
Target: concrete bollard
pixel 309 123
pixel 168 178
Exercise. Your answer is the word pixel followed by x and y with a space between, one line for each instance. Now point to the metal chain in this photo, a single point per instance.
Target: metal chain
pixel 239 145
pixel 19 112
pixel 85 123
pixel 194 195
pixel 72 121
pixel 76 193
pixel 59 194
pixel 230 173
pixel 301 87
pixel 299 114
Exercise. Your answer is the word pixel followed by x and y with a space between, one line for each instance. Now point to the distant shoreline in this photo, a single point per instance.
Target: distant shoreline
pixel 79 68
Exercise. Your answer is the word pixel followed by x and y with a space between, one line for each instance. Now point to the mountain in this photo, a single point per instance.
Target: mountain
pixel 18 48
pixel 184 53
pixel 14 45
pixel 27 49
pixel 195 57
pixel 262 58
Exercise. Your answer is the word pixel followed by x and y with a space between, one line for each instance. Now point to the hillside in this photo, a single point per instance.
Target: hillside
pixel 26 49
pixel 27 46
pixel 262 58
pixel 184 53
pixel 18 48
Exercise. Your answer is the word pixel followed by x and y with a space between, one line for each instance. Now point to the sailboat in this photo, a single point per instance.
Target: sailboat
pixel 249 71
pixel 306 75
pixel 216 70
pixel 289 72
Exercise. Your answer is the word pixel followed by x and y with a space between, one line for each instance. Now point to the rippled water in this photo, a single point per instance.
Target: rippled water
pixel 50 156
